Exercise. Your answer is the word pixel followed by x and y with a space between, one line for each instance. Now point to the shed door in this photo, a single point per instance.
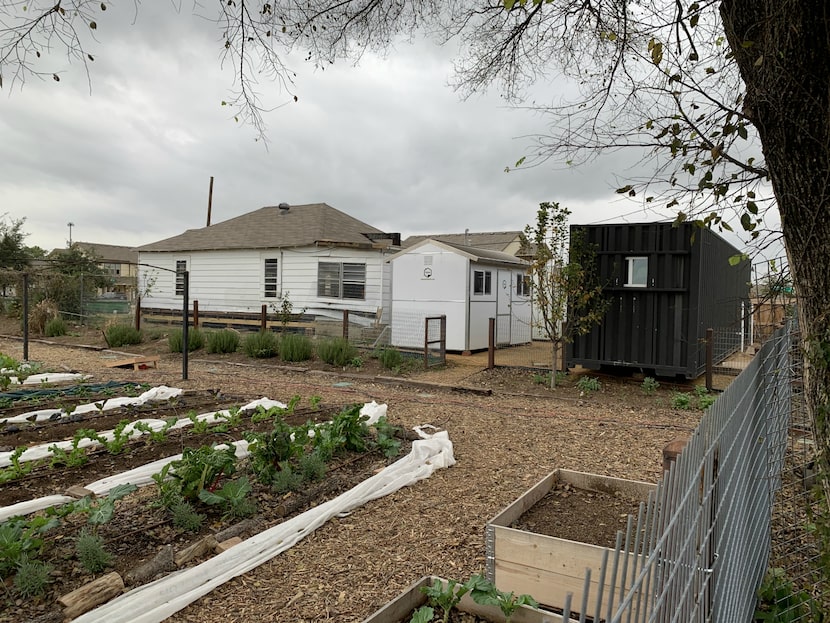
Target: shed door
pixel 504 288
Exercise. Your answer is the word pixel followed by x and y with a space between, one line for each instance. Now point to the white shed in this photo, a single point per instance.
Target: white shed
pixel 467 284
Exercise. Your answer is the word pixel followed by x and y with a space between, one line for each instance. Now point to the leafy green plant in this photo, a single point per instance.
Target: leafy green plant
pixel 484 593
pixel 446 596
pixel 336 351
pixel 55 328
pixel 356 362
pixel 261 345
pixel 295 347
pixel 704 398
pixel 18 468
pixel 185 516
pixel 101 510
pixel 120 438
pixel 349 429
pixel 650 385
pixel 680 400
pixel 153 435
pixel 75 457
pixel 315 401
pixel 89 548
pixel 588 384
pixel 270 449
pixel 232 498
pixel 32 577
pixel 21 537
pixel 780 602
pixel 387 438
pixel 199 468
pixel 223 341
pixel 442 595
pixel 195 340
pixel 122 335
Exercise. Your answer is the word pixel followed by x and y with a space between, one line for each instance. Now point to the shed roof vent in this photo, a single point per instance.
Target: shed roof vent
pixel 283 207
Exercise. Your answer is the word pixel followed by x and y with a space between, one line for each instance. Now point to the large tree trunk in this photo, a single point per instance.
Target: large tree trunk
pixel 786 69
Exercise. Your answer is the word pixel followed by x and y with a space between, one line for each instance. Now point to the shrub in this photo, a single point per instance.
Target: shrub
pixel 680 400
pixel 295 347
pixel 390 358
pixel 261 345
pixel 91 554
pixel 186 517
pixel 337 351
pixel 312 466
pixel 650 385
pixel 55 328
pixel 588 384
pixel 224 341
pixel 122 334
pixel 195 340
pixel 32 577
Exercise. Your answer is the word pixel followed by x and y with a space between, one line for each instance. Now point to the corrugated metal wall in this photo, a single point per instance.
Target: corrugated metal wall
pixel 660 327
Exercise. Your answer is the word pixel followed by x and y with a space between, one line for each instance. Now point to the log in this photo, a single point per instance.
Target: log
pixel 226 545
pixel 89 595
pixel 161 562
pixel 199 548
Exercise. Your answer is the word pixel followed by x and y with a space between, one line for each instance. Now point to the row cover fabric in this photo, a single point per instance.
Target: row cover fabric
pixel 162 393
pixel 154 602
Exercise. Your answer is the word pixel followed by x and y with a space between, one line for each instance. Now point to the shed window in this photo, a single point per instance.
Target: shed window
pixel 181 267
pixel 523 285
pixel 341 280
pixel 637 272
pixel 482 282
pixel 270 279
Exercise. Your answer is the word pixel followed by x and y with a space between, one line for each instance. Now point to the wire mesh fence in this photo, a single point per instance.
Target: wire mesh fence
pixel 732 505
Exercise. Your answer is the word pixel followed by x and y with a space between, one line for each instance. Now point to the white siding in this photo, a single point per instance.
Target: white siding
pixel 233 281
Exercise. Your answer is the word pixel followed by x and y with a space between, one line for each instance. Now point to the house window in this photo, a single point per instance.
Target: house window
pixel 523 285
pixel 181 267
pixel 271 278
pixel 636 272
pixel 482 282
pixel 341 280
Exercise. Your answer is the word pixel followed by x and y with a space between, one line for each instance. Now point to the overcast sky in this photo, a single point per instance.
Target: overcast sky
pixel 387 142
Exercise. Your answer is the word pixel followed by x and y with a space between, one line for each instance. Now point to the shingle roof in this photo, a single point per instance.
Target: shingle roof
pixel 112 253
pixel 474 253
pixel 494 240
pixel 272 227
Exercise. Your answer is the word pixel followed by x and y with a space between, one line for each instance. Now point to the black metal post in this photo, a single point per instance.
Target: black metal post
pixel 25 317
pixel 710 356
pixel 185 307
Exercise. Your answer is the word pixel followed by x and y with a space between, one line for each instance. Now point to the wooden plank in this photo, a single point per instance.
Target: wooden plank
pixel 135 362
pixel 526 500
pixel 634 489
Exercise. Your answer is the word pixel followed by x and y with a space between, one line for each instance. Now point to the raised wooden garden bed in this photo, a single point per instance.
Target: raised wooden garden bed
pixel 400 609
pixel 549 567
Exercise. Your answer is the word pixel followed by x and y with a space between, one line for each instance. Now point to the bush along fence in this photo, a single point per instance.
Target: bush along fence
pixel 699 549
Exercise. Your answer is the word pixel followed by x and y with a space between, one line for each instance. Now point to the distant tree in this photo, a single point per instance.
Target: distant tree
pixel 14 256
pixel 566 292
pixel 70 277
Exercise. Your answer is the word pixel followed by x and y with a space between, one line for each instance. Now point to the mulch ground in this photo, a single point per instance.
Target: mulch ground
pixel 508 432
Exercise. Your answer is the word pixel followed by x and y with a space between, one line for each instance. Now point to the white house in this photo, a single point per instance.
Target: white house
pixel 322 260
pixel 469 285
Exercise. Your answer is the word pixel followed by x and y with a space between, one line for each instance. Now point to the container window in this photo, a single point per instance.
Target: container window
pixel 636 272
pixel 482 282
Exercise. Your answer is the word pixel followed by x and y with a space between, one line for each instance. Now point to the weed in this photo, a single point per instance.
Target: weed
pixel 680 400
pixel 32 577
pixel 650 385
pixel 295 347
pixel 89 548
pixel 232 498
pixel 223 341
pixel 185 516
pixel 541 379
pixel 122 335
pixel 588 384
pixel 261 345
pixel 336 351
pixel 55 328
pixel 195 340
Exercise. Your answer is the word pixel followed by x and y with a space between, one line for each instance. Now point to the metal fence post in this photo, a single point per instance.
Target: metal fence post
pixel 138 313
pixel 185 336
pixel 25 317
pixel 195 314
pixel 710 356
pixel 491 344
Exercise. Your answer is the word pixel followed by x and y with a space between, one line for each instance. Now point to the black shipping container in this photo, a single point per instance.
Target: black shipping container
pixel 666 284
